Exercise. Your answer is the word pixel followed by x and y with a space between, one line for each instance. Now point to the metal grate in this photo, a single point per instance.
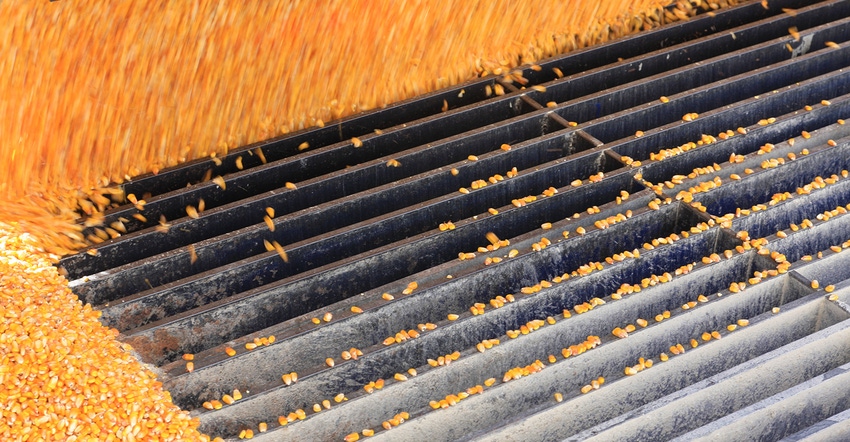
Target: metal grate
pixel 603 190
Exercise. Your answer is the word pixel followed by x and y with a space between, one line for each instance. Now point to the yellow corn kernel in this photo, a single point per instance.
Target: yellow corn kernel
pixel 269 223
pixel 355 309
pixel 793 31
pixel 410 288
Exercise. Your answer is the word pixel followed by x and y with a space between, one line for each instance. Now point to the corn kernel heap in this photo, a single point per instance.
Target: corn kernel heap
pixel 63 376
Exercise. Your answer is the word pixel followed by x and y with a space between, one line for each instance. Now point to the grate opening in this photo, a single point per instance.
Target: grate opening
pixel 353 277
pixel 313 253
pixel 324 217
pixel 786 126
pixel 695 64
pixel 762 186
pixel 766 373
pixel 716 95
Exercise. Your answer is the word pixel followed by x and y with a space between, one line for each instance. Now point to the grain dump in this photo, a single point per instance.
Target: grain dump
pixel 643 239
pixel 639 229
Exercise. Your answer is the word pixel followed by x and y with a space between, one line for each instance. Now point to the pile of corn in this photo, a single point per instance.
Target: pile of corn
pixel 94 93
pixel 63 376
